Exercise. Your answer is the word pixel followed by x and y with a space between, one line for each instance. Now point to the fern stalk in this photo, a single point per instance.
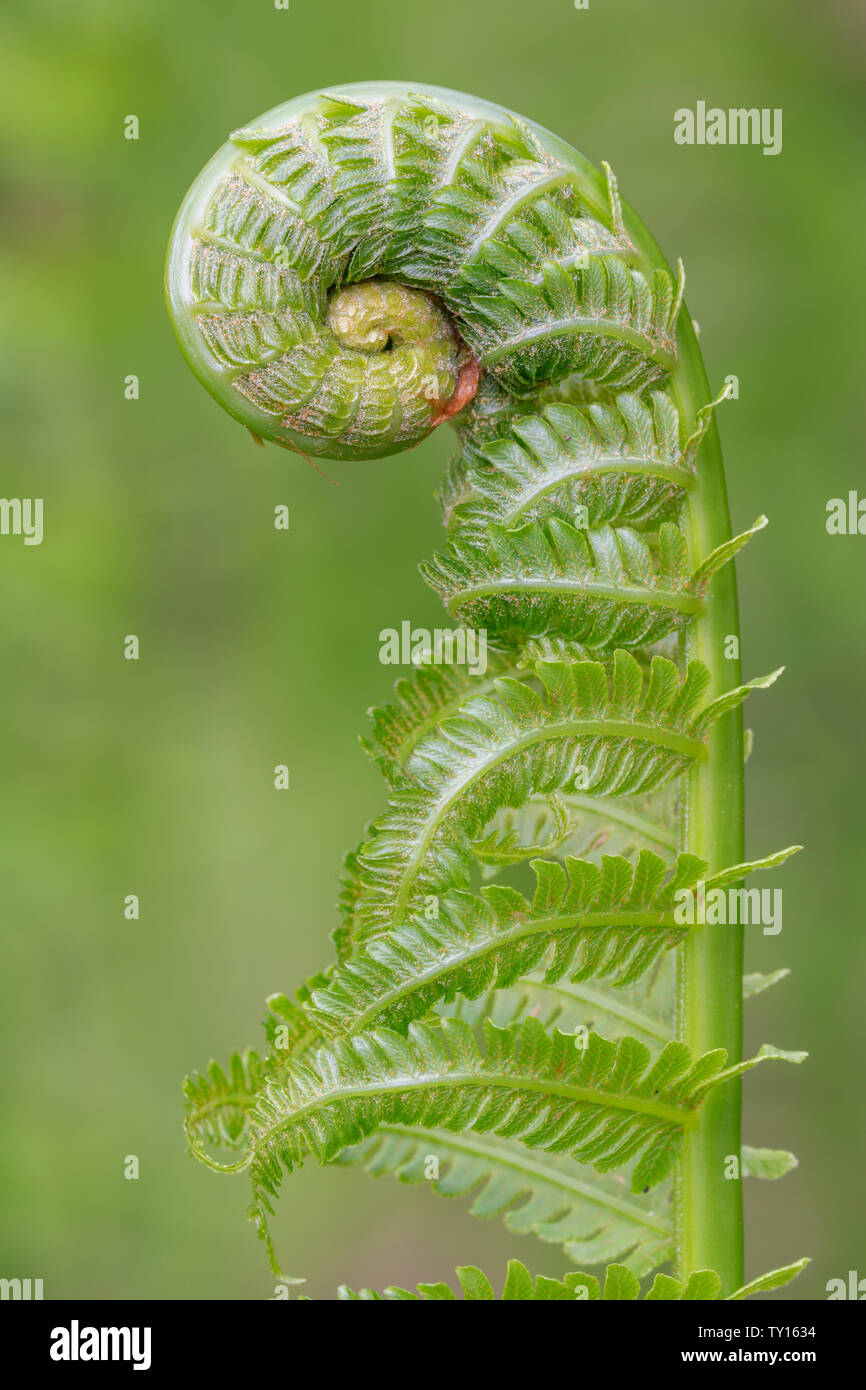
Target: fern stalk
pixel 709 1207
pixel 346 275
pixel 710 994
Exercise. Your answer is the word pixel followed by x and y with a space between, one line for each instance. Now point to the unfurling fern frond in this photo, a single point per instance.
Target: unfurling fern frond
pixel 598 587
pixel 350 271
pixel 218 1104
pixel 621 464
pixel 432 694
pixel 584 922
pixel 602 588
pixel 602 1103
pixel 591 921
pixel 621 737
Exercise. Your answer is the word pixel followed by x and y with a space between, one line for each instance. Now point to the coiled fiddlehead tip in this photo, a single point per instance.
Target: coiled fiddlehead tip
pixel 429 359
pixel 278 291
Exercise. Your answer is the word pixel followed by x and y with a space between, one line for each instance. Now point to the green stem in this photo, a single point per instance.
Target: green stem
pixel 709 1207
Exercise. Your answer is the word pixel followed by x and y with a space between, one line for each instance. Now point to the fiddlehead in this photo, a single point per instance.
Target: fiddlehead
pixel 347 274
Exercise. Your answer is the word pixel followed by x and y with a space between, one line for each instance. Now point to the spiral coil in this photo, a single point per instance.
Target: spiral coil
pixel 344 276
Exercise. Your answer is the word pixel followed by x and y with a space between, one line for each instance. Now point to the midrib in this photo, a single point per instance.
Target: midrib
pixel 458 1078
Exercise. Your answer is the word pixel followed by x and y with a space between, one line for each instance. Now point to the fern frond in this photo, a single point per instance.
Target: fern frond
pixel 768 1164
pixel 757 982
pixel 480 199
pixel 590 921
pixel 644 1011
pixel 620 738
pixel 494 414
pixel 598 587
pixel 580 825
pixel 546 1195
pixel 423 700
pixel 515 835
pixel 519 1285
pixel 603 1103
pixel 584 922
pixel 622 463
pixel 602 319
pixel 602 587
pixel 542 1194
pixel 346 274
pixel 774 1279
pixel 623 825
pixel 218 1104
pixel 343 934
pixel 620 1285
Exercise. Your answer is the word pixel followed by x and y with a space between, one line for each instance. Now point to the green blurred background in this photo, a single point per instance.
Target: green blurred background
pixel 259 647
